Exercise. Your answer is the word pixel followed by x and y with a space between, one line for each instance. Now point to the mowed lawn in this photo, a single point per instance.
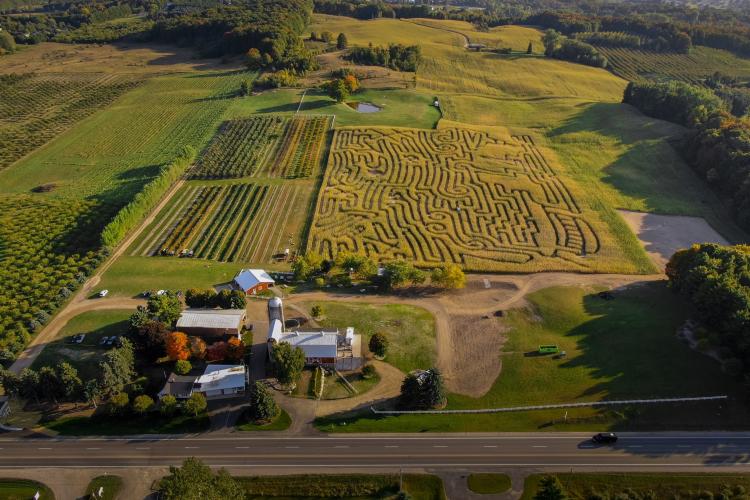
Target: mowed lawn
pixel 85 357
pixel 13 489
pixel 400 108
pixel 616 349
pixel 410 330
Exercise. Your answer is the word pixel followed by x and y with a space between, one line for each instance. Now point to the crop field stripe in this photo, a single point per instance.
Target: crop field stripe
pixel 218 222
pixel 256 230
pixel 233 236
pixel 182 232
pixel 229 232
pixel 269 230
pixel 243 236
pixel 159 234
pixel 290 209
pixel 143 246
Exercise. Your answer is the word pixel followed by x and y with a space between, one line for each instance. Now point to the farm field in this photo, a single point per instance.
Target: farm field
pixel 486 199
pixel 265 146
pixel 230 222
pixel 638 325
pixel 514 37
pixel 635 65
pixel 58 198
pixel 399 108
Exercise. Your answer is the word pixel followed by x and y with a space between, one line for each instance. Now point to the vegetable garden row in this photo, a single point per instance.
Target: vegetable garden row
pixel 238 222
pixel 265 146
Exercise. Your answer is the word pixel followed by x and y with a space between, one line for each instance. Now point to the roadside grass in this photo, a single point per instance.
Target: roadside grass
pixel 11 489
pixel 488 483
pixel 280 423
pixel 119 426
pixel 336 389
pixel 343 486
pixel 616 349
pixel 85 357
pixel 409 329
pixel 403 108
pixel 112 485
pixel 666 485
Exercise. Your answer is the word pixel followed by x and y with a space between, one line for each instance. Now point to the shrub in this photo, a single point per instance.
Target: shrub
pixel 195 404
pixel 369 371
pixel 143 404
pixel 168 405
pixel 316 311
pixel 182 367
pixel 378 345
pixel 118 403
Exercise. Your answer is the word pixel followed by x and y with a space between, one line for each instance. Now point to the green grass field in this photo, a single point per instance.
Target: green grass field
pixel 280 423
pixel 112 485
pixel 85 357
pixel 343 486
pixel 16 489
pixel 413 347
pixel 117 426
pixel 580 486
pixel 615 350
pixel 488 483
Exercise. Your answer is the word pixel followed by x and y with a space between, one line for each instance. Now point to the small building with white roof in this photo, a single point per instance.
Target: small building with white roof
pixel 253 281
pixel 217 381
pixel 212 322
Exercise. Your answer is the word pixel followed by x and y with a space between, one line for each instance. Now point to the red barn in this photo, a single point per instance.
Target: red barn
pixel 252 281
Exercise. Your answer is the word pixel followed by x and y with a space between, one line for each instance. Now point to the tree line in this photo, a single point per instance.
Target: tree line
pixel 396 56
pixel 559 46
pixel 718 143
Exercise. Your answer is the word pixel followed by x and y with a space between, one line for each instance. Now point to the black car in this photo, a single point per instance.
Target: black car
pixel 605 438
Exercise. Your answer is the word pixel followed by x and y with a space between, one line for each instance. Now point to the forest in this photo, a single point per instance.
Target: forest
pixel 718 145
pixel 396 56
pixel 716 281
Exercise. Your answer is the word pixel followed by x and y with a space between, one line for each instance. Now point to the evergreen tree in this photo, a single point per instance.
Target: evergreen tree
pixel 550 489
pixel 341 42
pixel 263 407
pixel 530 48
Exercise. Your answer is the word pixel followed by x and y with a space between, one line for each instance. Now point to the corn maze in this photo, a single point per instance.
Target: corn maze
pixel 228 223
pixel 488 202
pixel 265 146
pixel 36 108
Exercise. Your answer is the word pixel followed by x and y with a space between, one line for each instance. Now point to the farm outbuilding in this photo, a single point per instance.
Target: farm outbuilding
pixel 253 281
pixel 217 381
pixel 212 322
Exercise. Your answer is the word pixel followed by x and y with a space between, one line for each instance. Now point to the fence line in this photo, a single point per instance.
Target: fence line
pixel 554 406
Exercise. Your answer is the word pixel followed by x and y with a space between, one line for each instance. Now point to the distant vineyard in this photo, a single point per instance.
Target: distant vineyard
pixel 635 65
pixel 238 222
pixel 488 202
pixel 36 108
pixel 265 146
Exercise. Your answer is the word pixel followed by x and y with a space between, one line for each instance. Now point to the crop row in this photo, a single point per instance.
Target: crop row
pixel 265 145
pixel 35 109
pixel 240 147
pixel 450 195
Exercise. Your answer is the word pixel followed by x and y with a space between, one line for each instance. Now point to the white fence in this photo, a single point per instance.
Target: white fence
pixel 555 406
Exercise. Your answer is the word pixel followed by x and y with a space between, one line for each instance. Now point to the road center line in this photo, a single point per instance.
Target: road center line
pixel 241 447
pixel 143 448
pixel 44 448
pixel 341 447
pixel 191 447
pixel 539 446
pixel 439 446
pixel 490 446
pixel 291 447
pixel 93 448
pixel 391 446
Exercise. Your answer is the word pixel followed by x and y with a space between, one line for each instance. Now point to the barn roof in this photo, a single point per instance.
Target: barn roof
pixel 249 278
pixel 314 344
pixel 226 319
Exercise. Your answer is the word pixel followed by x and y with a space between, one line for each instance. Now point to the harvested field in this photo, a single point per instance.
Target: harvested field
pixel 265 146
pixel 490 201
pixel 476 343
pixel 228 222
pixel 663 235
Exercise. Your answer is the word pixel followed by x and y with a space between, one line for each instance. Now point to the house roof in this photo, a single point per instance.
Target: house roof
pixel 178 385
pixel 227 319
pixel 314 344
pixel 218 377
pixel 250 278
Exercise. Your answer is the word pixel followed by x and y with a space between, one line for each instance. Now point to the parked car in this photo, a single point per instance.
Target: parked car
pixel 161 292
pixel 103 293
pixel 605 438
pixel 146 294
pixel 77 339
pixel 112 340
pixel 103 340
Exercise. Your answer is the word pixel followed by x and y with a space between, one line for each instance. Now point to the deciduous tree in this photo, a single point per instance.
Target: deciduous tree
pixel 289 363
pixel 263 407
pixel 216 351
pixel 196 481
pixel 195 404
pixel 143 404
pixel 182 367
pixel 448 276
pixel 165 307
pixel 235 349
pixel 177 346
pixel 378 344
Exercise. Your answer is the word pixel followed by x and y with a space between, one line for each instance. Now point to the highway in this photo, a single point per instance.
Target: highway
pixel 729 452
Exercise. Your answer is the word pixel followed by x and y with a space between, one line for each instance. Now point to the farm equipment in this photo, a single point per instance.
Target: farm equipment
pixel 548 349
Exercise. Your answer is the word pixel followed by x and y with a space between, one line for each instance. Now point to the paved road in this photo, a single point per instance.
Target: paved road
pixel 728 452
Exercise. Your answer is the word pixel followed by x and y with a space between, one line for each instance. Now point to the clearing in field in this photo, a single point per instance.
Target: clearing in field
pixel 490 201
pixel 246 222
pixel 265 146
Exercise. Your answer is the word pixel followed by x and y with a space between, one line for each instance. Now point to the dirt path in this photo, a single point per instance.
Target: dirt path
pixel 80 301
pixel 461 339
pixel 389 387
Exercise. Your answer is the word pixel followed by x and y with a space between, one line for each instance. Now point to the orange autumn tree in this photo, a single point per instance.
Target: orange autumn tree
pixel 177 346
pixel 235 349
pixel 197 348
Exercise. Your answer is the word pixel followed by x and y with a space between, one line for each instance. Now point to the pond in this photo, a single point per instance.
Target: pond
pixel 364 107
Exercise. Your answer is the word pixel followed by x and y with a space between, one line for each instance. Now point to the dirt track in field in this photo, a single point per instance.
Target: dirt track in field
pixel 469 337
